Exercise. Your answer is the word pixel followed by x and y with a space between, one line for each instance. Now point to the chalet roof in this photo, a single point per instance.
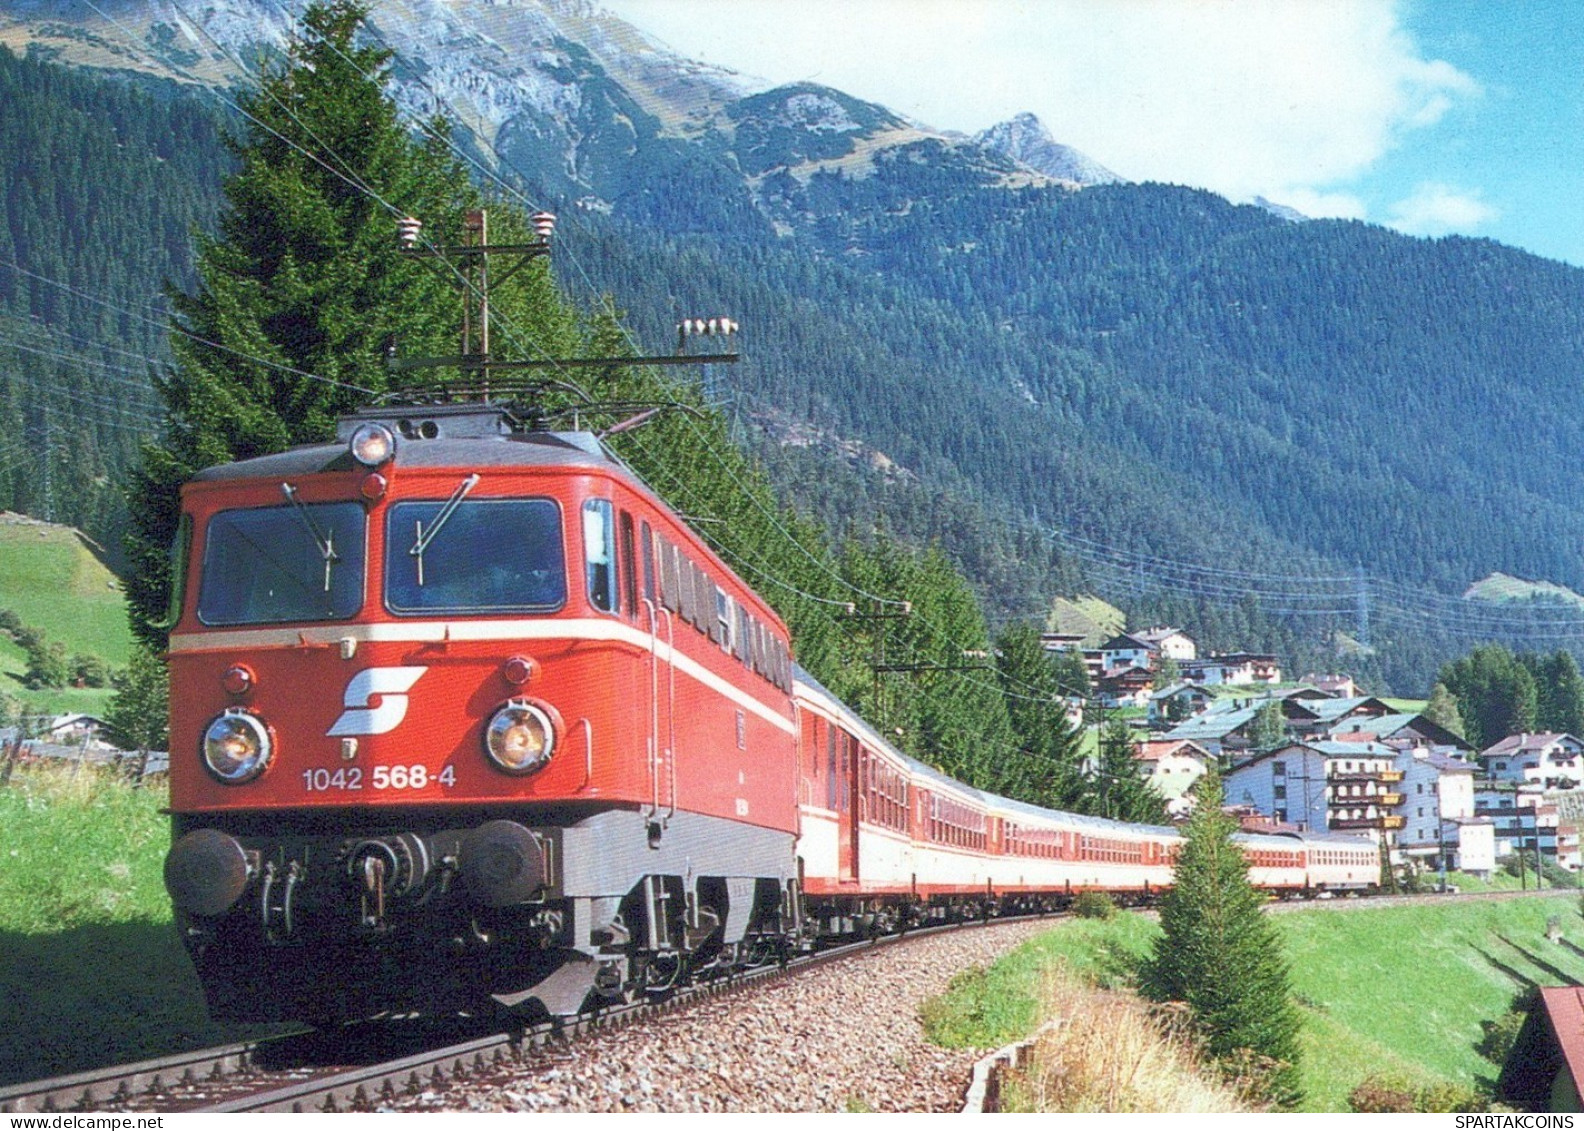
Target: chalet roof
pixel 1525 744
pixel 1389 726
pixel 1124 642
pixel 1330 710
pixel 1448 764
pixel 1550 1042
pixel 1156 635
pixel 1332 749
pixel 1160 748
pixel 1211 725
pixel 1326 750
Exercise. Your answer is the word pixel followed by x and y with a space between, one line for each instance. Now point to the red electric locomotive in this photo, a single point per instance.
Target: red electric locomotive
pixel 464 712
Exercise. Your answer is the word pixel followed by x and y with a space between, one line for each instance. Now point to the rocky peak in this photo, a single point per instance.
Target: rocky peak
pixel 1026 140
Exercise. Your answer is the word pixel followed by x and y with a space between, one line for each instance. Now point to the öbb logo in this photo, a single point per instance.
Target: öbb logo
pixel 362 714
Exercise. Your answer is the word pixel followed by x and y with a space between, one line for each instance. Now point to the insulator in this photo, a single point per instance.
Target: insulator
pixel 407 230
pixel 544 224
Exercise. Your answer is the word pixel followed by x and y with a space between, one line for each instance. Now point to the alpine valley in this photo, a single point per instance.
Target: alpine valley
pixel 1307 437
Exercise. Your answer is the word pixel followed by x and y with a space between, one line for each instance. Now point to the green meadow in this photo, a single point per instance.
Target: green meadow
pixel 1400 990
pixel 51 578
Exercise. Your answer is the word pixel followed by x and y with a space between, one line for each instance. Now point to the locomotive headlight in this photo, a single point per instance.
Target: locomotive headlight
pixel 520 737
pixel 373 444
pixel 237 747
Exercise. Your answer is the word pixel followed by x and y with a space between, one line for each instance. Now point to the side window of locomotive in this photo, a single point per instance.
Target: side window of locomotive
pixel 647 540
pixel 485 556
pixel 269 565
pixel 629 573
pixel 599 554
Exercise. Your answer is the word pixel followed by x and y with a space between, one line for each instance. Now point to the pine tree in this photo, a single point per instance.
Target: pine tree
pixel 304 290
pixel 1118 790
pixel 1050 746
pixel 138 713
pixel 1220 954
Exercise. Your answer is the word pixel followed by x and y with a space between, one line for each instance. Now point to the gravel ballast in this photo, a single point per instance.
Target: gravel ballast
pixel 843 1037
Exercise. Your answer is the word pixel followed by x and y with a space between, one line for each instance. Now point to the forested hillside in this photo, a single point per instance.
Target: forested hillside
pixel 105 185
pixel 1301 437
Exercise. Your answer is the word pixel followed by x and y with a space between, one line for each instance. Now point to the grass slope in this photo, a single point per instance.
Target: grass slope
pixel 91 970
pixel 1398 990
pixel 52 580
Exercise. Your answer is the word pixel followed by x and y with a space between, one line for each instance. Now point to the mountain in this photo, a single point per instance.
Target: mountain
pixel 1279 434
pixel 1025 139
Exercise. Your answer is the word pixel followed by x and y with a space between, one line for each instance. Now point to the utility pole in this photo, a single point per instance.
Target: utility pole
pixel 1361 598
pixel 878 664
pixel 469 261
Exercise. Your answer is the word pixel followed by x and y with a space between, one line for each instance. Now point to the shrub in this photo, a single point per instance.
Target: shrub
pixel 1094 905
pixel 1394 1094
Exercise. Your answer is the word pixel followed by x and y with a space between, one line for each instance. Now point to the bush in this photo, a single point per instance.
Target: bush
pixel 1382 1094
pixel 88 670
pixel 1394 1094
pixel 1094 905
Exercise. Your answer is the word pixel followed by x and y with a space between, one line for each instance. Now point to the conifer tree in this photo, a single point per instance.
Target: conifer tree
pixel 303 291
pixel 1219 954
pixel 1049 744
pixel 1118 790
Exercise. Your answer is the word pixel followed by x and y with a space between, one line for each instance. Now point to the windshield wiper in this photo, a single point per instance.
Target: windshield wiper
pixel 323 541
pixel 424 537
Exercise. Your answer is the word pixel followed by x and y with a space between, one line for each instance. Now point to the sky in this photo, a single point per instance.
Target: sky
pixel 1433 117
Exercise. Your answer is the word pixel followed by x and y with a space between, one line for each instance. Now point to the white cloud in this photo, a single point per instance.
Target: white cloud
pixel 1437 209
pixel 1324 205
pixel 1284 98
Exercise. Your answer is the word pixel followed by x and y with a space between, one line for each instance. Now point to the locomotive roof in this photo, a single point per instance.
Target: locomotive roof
pixel 536 449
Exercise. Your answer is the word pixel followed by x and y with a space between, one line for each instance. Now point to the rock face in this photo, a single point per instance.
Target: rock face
pixel 582 106
pixel 1026 140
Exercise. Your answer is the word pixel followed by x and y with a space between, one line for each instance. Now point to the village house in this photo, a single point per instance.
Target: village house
pixel 1527 821
pixel 1551 760
pixel 1440 828
pixel 1125 687
pixel 1224 731
pixel 1335 685
pixel 1232 668
pixel 1348 787
pixel 1145 649
pixel 1172 768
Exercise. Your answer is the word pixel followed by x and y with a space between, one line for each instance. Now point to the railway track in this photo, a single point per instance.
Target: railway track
pixel 362 1068
pixel 312 1071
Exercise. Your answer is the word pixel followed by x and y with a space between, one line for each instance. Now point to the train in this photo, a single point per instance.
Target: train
pixel 465 718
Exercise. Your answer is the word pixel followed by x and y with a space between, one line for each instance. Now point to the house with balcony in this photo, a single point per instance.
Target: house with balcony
pixel 1233 668
pixel 1527 822
pixel 1125 687
pixel 1347 787
pixel 1440 827
pixel 1551 760
pixel 1145 649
